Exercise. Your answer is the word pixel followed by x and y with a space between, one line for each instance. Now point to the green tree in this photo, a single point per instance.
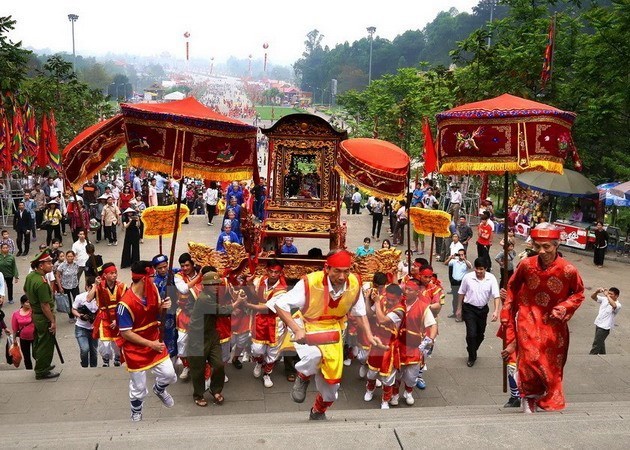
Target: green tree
pixel 13 58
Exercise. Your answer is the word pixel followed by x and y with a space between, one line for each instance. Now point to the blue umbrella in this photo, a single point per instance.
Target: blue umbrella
pixel 622 190
pixel 606 195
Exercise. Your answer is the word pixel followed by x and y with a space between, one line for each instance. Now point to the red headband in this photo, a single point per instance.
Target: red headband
pixel 148 272
pixel 340 259
pixel 412 286
pixel 545 234
pixel 426 273
pixel 276 267
pixel 110 269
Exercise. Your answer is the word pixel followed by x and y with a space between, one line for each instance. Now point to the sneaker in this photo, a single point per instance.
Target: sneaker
pixel 363 370
pixel 529 405
pixel 185 374
pixel 378 383
pixel 316 416
pixel 513 402
pixel 298 391
pixel 10 302
pixel 136 416
pixel 347 362
pixel 257 370
pixel 420 383
pixel 408 396
pixel 369 395
pixel 115 242
pixel 106 363
pixel 225 379
pixel 117 362
pixel 246 357
pixel 394 400
pixel 109 244
pixel 209 224
pixel 237 364
pixel 267 381
pixel 384 405
pixel 167 399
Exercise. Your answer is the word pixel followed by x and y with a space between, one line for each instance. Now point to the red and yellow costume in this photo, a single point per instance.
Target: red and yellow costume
pixel 322 313
pixel 386 361
pixel 264 325
pixel 542 340
pixel 184 303
pixel 146 325
pixel 107 301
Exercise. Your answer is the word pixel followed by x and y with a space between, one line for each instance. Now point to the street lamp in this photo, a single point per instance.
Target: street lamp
pixel 73 18
pixel 491 4
pixel 371 31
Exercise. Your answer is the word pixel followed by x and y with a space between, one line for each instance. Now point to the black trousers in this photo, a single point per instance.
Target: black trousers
pixel 598 256
pixel 71 293
pixel 212 211
pixel 26 346
pixel 56 230
pixel 23 237
pixel 110 234
pixel 356 208
pixel 475 320
pixel 377 221
pixel 599 343
pixel 9 284
pixel 483 251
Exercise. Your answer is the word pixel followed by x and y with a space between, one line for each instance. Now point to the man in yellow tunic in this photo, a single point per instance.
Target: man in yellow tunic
pixel 323 299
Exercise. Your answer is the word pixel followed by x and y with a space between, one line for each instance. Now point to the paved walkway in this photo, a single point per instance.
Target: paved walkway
pixel 101 394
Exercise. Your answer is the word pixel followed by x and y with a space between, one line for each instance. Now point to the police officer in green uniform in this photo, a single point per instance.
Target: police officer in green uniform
pixel 42 302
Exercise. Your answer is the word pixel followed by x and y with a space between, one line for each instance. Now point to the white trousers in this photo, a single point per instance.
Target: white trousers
pixel 309 364
pixel 241 341
pixel 182 344
pixel 408 374
pixel 387 381
pixel 164 375
pixel 270 353
pixel 108 350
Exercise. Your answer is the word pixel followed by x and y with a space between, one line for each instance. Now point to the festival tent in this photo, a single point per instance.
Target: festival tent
pixel 379 167
pixel 174 96
pixel 622 190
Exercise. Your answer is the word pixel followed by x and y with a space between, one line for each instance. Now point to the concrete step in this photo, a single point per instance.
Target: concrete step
pixel 580 425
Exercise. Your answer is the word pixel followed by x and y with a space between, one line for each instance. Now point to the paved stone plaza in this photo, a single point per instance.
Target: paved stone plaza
pixel 86 407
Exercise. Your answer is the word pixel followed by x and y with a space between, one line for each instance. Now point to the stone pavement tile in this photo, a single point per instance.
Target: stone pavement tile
pixel 21 376
pixel 621 396
pixel 116 398
pixel 69 390
pixel 465 395
pixel 588 398
pixel 426 402
pixel 98 374
pixel 476 376
pixel 279 402
pixel 14 407
pixel 431 391
pixel 438 375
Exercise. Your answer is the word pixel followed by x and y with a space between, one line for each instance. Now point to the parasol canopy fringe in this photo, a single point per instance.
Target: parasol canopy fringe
pixel 370 190
pixel 157 166
pixel 475 167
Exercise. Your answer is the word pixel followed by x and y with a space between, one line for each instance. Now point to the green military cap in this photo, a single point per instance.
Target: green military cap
pixel 42 256
pixel 210 278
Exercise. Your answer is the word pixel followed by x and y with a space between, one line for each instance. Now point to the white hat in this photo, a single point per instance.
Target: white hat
pixel 104 197
pixel 53 202
pixel 128 210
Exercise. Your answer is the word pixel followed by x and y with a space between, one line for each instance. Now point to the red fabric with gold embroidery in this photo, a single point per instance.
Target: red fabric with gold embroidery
pixel 542 341
pixel 186 138
pixel 505 133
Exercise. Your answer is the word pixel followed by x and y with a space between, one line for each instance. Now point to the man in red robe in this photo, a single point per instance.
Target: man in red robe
pixel 543 294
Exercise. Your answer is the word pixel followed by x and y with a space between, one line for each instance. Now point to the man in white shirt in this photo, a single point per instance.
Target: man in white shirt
pixel 455 246
pixel 81 255
pixel 356 201
pixel 609 307
pixel 475 292
pixel 337 292
pixel 456 201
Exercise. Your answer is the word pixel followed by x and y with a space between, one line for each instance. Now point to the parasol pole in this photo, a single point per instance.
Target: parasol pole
pixel 504 269
pixel 431 252
pixel 408 208
pixel 161 245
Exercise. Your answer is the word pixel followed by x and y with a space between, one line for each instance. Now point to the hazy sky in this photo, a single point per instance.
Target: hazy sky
pixel 217 28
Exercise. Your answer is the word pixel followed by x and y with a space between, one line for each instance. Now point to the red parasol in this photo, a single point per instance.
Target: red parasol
pixel 505 133
pixel 501 135
pixel 185 138
pixel 92 149
pixel 377 166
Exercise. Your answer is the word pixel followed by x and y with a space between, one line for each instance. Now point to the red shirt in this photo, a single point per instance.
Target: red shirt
pixel 485 234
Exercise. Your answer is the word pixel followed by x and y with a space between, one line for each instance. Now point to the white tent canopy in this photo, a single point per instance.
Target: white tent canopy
pixel 175 96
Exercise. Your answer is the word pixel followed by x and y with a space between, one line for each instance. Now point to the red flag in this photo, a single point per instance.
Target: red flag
pixel 5 143
pixel 545 75
pixel 53 150
pixel 430 157
pixel 44 143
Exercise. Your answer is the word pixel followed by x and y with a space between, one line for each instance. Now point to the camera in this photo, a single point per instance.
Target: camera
pixel 85 311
